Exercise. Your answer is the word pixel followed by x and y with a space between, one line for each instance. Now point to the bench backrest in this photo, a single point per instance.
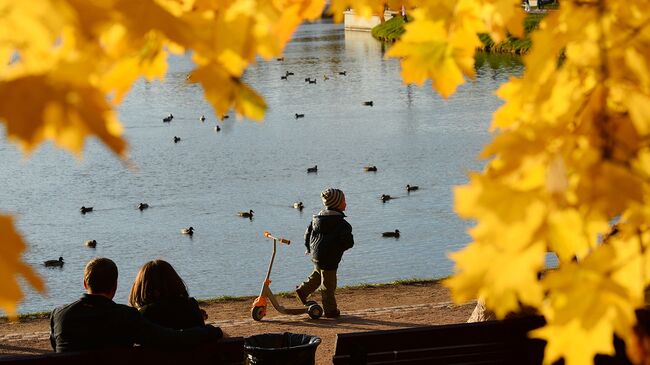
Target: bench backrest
pixel 227 351
pixel 492 342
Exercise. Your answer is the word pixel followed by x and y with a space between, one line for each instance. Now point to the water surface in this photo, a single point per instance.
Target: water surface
pixel 411 134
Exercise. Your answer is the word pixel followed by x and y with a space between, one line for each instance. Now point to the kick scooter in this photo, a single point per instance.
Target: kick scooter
pixel 258 311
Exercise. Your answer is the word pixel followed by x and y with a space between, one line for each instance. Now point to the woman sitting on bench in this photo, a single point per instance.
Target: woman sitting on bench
pixel 160 295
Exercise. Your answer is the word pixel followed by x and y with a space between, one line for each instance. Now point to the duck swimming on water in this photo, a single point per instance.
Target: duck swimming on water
pixel 91 243
pixel 385 197
pixel 188 231
pixel 143 206
pixel 391 234
pixel 248 214
pixel 312 169
pixel 85 209
pixel 411 188
pixel 298 205
pixel 54 263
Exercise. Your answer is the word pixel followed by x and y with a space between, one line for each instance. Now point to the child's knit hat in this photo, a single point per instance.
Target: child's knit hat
pixel 332 198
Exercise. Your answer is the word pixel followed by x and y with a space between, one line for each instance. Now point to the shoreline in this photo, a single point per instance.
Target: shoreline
pixel 227 298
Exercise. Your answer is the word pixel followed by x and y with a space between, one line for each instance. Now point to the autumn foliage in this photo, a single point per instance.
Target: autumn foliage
pixel 571 154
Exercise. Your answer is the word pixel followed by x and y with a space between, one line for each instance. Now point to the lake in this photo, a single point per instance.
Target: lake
pixel 410 133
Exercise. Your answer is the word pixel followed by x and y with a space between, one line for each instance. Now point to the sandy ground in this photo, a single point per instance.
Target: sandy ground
pixel 362 309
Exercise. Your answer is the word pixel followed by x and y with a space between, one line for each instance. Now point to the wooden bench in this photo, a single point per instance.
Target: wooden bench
pixel 492 342
pixel 227 351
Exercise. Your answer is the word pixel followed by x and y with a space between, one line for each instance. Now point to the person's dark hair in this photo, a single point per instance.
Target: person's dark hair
pixel 156 280
pixel 100 275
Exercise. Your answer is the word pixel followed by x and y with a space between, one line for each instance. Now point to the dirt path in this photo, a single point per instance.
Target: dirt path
pixel 363 309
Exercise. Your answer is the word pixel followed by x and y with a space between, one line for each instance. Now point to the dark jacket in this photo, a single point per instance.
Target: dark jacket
pixel 327 237
pixel 95 322
pixel 176 313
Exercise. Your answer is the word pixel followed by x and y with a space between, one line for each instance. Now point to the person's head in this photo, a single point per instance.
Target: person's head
pixel 156 280
pixel 333 199
pixel 100 277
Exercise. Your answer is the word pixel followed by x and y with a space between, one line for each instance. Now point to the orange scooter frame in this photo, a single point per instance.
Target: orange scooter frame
pixel 258 311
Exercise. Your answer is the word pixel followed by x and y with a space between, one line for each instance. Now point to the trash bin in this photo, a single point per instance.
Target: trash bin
pixel 281 349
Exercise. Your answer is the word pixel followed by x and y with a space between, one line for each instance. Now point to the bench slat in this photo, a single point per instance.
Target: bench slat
pixel 227 351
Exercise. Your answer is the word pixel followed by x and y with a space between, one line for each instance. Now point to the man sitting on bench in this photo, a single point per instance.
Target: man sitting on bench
pixel 96 322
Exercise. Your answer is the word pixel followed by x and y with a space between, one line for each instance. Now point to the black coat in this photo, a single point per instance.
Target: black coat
pixel 327 237
pixel 176 313
pixel 95 322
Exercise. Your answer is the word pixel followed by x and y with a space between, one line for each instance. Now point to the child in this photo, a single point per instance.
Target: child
pixel 326 238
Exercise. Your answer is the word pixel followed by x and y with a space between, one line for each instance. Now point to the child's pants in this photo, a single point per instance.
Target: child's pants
pixel 326 279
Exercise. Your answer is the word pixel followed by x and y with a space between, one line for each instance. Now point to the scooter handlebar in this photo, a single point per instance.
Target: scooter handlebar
pixel 268 234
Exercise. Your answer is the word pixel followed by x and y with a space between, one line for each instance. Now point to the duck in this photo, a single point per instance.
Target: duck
pixel 411 188
pixel 370 168
pixel 391 234
pixel 91 243
pixel 288 73
pixel 312 81
pixel 177 139
pixel 188 231
pixel 225 116
pixel 283 77
pixel 168 118
pixel 343 73
pixel 312 169
pixel 54 263
pixel 307 79
pixel 143 206
pixel 217 128
pixel 299 115
pixel 325 78
pixel 85 210
pixel 248 214
pixel 298 205
pixel 202 118
pixel 385 197
pixel 368 103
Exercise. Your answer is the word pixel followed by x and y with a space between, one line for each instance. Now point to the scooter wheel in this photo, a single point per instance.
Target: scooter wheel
pixel 315 311
pixel 258 313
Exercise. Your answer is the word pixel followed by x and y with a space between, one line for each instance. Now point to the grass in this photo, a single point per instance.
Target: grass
pixel 513 44
pixel 391 30
pixel 291 294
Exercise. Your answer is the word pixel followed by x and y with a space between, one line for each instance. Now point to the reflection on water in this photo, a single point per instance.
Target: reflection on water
pixel 411 134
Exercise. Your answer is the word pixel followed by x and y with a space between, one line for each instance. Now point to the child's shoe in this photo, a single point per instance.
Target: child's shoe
pixel 333 314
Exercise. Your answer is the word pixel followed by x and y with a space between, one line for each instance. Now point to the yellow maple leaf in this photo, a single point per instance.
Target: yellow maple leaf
pixel 427 50
pixel 502 17
pixel 589 300
pixel 11 267
pixel 506 278
pixel 364 8
pixel 224 91
pixel 64 113
pixel 569 235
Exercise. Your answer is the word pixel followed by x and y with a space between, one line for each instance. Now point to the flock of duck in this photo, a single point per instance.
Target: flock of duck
pixel 217 128
pixel 247 214
pixel 310 80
